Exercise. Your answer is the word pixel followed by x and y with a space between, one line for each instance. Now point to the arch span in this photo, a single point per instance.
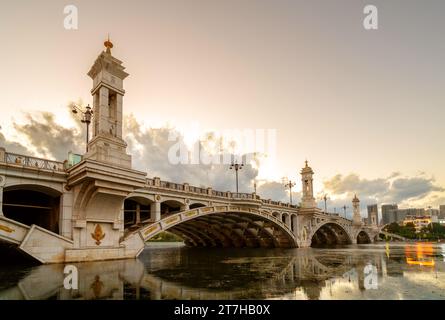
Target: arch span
pixel 33 204
pixel 223 226
pixel 363 237
pixel 330 233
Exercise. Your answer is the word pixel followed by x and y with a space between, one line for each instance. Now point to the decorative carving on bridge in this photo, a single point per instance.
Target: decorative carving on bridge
pixel 6 229
pixel 151 229
pixel 98 234
pixel 172 220
pixel 191 213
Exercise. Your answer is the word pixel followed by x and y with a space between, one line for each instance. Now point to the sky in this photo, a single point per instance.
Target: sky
pixel 364 107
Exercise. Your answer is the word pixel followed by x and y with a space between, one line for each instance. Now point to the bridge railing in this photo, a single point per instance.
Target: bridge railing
pixel 158 183
pixel 33 162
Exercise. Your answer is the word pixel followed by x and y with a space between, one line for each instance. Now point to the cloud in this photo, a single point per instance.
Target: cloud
pixel 275 191
pixel 13 147
pixel 405 191
pixel 48 138
pixel 150 149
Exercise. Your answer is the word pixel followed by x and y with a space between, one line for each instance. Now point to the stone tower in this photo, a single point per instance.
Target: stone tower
pixel 307 199
pixel 374 219
pixel 356 217
pixel 107 144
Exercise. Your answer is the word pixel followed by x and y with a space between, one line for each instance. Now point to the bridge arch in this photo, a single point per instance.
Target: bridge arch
pixel 170 206
pixel 136 210
pixel 197 204
pixel 225 226
pixel 33 204
pixel 363 237
pixel 330 233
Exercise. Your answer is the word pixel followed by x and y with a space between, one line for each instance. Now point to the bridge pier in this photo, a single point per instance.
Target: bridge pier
pixel 2 183
pixel 138 214
pixel 155 211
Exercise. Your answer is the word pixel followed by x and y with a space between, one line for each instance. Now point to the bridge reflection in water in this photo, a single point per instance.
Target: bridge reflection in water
pixel 350 272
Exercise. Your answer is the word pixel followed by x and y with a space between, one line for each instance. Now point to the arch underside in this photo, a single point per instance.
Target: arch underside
pixel 330 234
pixel 232 230
pixel 363 237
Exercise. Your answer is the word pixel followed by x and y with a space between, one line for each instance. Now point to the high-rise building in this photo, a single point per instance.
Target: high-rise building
pixel 442 211
pixel 389 214
pixel 431 212
pixel 373 209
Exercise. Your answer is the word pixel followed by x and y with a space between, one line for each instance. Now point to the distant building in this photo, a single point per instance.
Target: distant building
pixel 442 211
pixel 389 213
pixel 432 212
pixel 419 222
pixel 373 213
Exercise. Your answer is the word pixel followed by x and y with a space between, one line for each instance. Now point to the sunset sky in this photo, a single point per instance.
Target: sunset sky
pixel 366 108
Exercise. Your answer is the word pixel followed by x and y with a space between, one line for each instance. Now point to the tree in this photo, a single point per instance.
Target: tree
pixel 393 228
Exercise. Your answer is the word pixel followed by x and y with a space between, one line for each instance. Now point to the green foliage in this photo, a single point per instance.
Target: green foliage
pixel 393 228
pixel 166 237
pixel 433 231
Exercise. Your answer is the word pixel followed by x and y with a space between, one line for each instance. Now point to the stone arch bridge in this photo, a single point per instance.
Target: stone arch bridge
pixel 100 208
pixel 48 214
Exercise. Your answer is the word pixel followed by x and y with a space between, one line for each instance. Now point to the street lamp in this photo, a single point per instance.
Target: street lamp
pixel 289 184
pixel 344 208
pixel 236 167
pixel 325 199
pixel 85 117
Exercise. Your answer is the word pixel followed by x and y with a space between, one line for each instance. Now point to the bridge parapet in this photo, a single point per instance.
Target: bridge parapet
pixel 157 183
pixel 31 162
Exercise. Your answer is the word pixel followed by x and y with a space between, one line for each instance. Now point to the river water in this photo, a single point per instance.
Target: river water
pixel 172 271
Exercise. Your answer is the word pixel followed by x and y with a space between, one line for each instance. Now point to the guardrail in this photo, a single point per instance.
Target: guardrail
pixel 158 183
pixel 33 162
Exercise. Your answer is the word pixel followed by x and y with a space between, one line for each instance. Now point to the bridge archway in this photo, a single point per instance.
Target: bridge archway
pixel 170 206
pixel 363 238
pixel 136 210
pixel 330 233
pixel 223 226
pixel 33 204
pixel 197 205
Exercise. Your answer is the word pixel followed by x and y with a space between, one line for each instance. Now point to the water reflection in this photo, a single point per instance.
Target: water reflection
pixel 396 271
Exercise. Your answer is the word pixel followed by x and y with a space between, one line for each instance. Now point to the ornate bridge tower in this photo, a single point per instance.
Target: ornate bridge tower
pixel 356 217
pixel 108 77
pixel 104 178
pixel 308 207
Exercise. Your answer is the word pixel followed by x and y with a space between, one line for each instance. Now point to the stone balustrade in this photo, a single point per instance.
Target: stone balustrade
pixel 32 162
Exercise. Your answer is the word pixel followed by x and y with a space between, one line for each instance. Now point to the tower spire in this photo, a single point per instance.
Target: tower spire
pixel 108 44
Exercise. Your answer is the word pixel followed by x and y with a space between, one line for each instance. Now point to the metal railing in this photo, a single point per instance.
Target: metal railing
pixel 33 162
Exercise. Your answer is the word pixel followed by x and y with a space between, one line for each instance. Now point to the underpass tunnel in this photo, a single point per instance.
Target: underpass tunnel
pixel 30 204
pixel 136 211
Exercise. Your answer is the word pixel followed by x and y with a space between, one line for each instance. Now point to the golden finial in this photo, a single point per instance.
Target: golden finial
pixel 305 162
pixel 108 44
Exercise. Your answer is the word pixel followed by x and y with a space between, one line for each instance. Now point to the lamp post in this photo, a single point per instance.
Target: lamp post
pixel 236 166
pixel 344 209
pixel 86 116
pixel 325 198
pixel 289 184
